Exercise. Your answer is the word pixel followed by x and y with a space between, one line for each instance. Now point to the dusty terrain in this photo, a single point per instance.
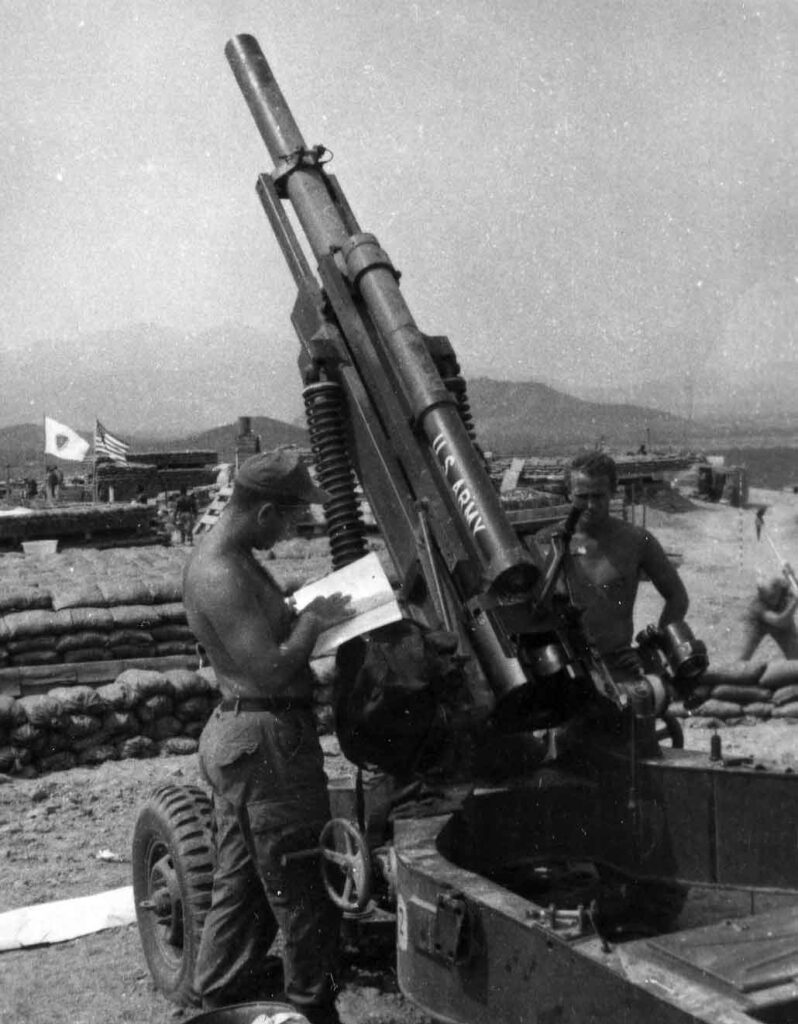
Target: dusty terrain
pixel 53 827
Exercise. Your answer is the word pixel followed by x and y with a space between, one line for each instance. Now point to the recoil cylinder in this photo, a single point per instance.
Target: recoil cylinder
pixel 325 414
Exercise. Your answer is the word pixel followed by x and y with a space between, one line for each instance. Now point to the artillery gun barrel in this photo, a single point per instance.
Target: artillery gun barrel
pixel 432 408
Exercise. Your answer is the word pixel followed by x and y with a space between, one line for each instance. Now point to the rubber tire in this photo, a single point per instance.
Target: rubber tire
pixel 174 829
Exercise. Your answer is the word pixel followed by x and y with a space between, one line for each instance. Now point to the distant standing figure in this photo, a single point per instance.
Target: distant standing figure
pixel 185 516
pixel 771 613
pixel 759 521
pixel 53 483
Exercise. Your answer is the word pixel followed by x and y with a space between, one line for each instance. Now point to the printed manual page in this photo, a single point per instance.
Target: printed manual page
pixel 373 599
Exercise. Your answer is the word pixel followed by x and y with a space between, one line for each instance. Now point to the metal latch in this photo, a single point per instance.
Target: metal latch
pixel 450 929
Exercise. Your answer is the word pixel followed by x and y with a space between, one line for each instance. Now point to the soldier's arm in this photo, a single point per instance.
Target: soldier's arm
pixel 782 619
pixel 665 578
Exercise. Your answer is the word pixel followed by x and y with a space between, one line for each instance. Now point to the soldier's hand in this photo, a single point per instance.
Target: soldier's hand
pixel 330 610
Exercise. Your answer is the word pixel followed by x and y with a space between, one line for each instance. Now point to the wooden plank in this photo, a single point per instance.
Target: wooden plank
pixel 13 681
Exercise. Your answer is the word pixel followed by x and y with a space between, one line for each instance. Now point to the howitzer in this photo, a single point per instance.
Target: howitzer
pixel 545 894
pixel 388 402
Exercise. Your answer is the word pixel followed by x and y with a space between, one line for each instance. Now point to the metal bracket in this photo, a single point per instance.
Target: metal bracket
pixel 450 938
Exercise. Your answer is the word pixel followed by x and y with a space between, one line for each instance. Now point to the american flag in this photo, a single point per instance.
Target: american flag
pixel 106 446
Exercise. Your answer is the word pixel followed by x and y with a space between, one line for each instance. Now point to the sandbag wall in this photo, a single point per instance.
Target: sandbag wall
pixel 140 714
pixel 745 690
pixel 89 605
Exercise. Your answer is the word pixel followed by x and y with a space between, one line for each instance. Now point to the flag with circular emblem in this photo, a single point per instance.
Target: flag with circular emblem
pixel 63 442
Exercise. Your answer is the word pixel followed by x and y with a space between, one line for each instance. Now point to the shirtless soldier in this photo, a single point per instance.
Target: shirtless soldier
pixel 605 561
pixel 259 751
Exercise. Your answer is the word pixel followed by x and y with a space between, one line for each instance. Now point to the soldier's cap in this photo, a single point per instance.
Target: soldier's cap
pixel 279 475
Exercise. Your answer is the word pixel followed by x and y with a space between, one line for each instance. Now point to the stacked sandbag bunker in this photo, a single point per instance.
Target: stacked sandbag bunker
pixel 140 714
pixel 89 606
pixel 745 690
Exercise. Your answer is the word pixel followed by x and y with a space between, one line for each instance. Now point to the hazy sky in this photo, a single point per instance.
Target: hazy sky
pixel 574 190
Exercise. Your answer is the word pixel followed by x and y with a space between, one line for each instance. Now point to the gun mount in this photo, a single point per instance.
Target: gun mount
pixel 541 896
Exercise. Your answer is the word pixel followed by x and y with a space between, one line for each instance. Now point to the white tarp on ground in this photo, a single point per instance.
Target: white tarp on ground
pixel 66 919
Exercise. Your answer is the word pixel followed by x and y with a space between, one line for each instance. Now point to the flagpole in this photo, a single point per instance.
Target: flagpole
pixel 94 460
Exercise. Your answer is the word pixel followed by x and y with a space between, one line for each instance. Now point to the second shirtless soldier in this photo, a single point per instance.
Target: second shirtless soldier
pixel 606 560
pixel 259 751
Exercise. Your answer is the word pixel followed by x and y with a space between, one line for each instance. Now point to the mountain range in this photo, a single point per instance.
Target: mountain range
pixel 510 418
pixel 146 379
pixel 162 388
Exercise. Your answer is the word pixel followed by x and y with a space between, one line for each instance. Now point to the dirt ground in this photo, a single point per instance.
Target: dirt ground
pixel 53 828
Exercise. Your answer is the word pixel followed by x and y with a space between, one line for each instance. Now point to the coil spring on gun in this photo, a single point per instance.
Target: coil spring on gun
pixel 324 411
pixel 457 386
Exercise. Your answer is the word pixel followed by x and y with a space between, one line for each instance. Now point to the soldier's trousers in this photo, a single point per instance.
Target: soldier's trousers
pixel 269 799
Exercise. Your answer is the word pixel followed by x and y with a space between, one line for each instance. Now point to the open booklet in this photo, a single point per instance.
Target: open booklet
pixel 372 597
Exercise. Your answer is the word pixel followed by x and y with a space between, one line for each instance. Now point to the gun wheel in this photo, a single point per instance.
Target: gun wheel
pixel 345 865
pixel 669 731
pixel 172 882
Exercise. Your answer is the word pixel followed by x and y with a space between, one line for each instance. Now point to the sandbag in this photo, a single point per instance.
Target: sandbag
pixel 51 742
pixel 162 728
pixel 25 735
pixel 739 694
pixel 719 709
pixel 92 740
pixel 172 632
pixel 37 622
pixel 117 696
pixel 128 652
pixel 22 756
pixel 36 658
pixel 165 589
pixel 80 726
pixel 125 590
pixel 187 683
pixel 193 709
pixel 42 711
pixel 170 648
pixel 130 637
pixel 85 654
pixel 746 673
pixel 172 612
pixel 84 638
pixel 155 707
pixel 58 762
pixel 143 683
pixel 97 620
pixel 79 699
pixel 98 754
pixel 76 594
pixel 760 709
pixel 22 598
pixel 120 723
pixel 178 745
pixel 4 655
pixel 137 746
pixel 780 673
pixel 785 694
pixel 789 710
pixel 11 713
pixel 6 759
pixel 135 616
pixel 193 729
pixel 32 643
